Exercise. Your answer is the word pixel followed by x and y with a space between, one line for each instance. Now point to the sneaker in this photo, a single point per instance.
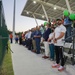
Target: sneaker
pixel 45 57
pixel 61 68
pixel 34 51
pixel 55 65
pixel 52 59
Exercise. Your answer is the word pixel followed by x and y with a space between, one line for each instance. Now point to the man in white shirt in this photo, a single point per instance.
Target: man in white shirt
pixel 59 35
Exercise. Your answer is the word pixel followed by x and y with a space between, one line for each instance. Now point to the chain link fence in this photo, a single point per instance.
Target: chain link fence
pixel 3 33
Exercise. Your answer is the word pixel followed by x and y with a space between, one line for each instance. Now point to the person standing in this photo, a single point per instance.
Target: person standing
pixel 33 40
pixel 16 39
pixel 59 35
pixel 20 39
pixel 37 37
pixel 51 44
pixel 42 29
pixel 68 25
pixel 11 37
pixel 29 40
pixel 45 38
pixel 26 39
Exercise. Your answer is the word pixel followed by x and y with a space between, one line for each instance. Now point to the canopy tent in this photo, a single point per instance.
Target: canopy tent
pixel 43 9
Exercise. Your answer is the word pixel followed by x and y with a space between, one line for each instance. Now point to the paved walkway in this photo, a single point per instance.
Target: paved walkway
pixel 26 62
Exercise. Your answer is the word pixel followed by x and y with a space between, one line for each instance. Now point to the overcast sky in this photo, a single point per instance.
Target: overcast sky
pixel 22 23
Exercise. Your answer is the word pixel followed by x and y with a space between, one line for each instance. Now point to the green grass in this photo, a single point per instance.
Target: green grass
pixel 6 68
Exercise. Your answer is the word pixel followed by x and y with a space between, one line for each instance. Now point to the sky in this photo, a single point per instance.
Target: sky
pixel 22 23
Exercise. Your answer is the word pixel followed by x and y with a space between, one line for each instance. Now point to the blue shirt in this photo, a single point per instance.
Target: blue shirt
pixel 37 33
pixel 67 21
pixel 33 33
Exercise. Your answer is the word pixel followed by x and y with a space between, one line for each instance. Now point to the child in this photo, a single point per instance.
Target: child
pixel 51 44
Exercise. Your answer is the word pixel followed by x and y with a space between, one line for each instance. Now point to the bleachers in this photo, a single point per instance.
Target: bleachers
pixel 68 49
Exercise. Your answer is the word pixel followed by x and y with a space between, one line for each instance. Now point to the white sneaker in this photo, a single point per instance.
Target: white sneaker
pixel 61 68
pixel 55 65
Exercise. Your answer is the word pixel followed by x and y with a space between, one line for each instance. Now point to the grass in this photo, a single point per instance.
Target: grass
pixel 6 68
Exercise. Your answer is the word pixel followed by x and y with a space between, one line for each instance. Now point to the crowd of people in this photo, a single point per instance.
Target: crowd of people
pixel 51 35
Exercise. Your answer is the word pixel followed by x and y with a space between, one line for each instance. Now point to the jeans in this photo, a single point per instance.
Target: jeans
pixel 51 46
pixel 37 40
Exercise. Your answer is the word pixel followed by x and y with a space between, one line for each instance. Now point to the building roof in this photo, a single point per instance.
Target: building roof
pixel 35 8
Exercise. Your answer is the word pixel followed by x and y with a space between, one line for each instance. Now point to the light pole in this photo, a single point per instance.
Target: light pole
pixel 68 6
pixel 14 19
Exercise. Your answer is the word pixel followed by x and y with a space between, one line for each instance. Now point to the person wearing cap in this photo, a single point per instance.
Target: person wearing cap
pixel 45 38
pixel 59 35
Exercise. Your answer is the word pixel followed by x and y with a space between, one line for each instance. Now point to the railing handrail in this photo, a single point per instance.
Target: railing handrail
pixel 3 37
pixel 70 36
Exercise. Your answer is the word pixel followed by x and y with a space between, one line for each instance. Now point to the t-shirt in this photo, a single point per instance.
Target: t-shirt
pixel 57 32
pixel 29 35
pixel 50 36
pixel 11 36
pixel 26 36
pixel 33 34
pixel 37 33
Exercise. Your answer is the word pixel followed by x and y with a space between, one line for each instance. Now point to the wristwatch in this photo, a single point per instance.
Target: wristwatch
pixel 55 39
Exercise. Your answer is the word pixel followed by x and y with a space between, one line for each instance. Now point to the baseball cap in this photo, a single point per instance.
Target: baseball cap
pixel 59 19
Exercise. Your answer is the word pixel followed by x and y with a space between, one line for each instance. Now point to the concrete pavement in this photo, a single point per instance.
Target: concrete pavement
pixel 26 62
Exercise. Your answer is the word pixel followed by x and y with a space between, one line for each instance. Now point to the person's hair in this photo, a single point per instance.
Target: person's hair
pixel 53 27
pixel 58 19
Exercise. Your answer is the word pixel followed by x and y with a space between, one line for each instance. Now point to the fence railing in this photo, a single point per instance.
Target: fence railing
pixel 3 33
pixel 73 48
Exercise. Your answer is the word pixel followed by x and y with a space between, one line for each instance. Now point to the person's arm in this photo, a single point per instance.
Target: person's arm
pixel 54 40
pixel 60 36
pixel 37 36
pixel 50 37
pixel 49 40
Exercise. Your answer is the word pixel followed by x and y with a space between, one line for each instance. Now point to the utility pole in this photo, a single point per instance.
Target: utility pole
pixel 14 19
